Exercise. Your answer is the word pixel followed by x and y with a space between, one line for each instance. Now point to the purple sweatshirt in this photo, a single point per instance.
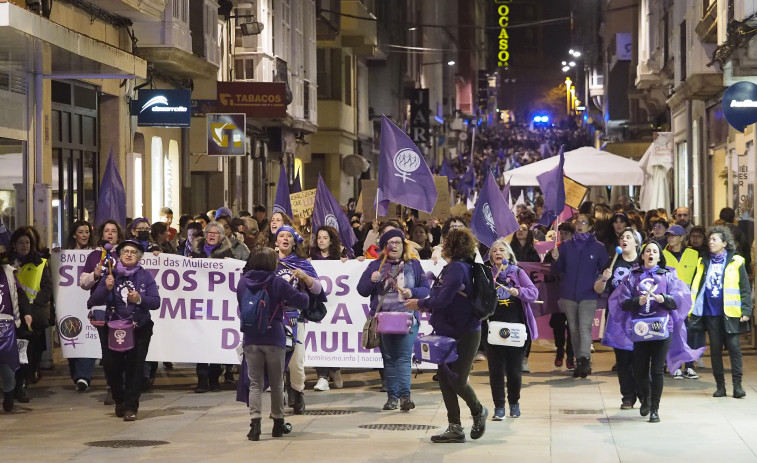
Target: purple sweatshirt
pixel 451 312
pixel 115 300
pixel 579 264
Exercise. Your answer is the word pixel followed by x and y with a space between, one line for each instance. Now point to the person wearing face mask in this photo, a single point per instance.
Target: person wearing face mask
pixel 129 292
pixel 647 313
pixel 607 283
pixel 389 281
pixel 214 245
pixel 578 261
pixel 515 293
pixel 722 305
pixel 33 274
pixel 294 267
pixel 140 232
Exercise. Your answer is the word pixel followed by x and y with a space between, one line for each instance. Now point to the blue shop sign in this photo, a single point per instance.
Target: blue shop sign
pixel 162 108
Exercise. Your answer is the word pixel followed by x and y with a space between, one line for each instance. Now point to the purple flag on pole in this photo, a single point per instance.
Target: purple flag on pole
pixel 553 188
pixel 111 204
pixel 403 176
pixel 467 182
pixel 328 211
pixel 282 203
pixel 506 192
pixel 446 171
pixel 492 217
pixel 297 185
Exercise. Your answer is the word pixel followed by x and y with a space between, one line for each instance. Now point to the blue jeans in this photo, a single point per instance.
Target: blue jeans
pixel 397 352
pixel 8 377
pixel 81 368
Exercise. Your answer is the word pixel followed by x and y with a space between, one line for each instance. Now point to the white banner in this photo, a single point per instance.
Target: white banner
pixel 197 320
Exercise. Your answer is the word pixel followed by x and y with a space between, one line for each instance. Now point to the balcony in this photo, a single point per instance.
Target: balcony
pixel 707 28
pixel 359 34
pixel 136 10
pixel 700 86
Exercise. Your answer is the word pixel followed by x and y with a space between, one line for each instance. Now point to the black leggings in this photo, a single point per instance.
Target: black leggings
pixel 643 353
pixel 715 326
pixel 467 347
pixel 505 360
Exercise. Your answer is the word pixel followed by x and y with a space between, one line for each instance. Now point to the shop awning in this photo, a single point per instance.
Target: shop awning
pixel 31 43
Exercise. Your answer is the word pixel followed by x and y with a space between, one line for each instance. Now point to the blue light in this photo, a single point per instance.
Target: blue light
pixel 537 118
pixel 545 118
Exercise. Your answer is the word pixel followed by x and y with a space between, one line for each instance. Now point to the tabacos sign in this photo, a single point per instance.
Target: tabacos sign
pixel 255 99
pixel 162 108
pixel 503 40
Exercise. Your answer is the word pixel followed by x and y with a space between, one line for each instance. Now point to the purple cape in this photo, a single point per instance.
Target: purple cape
pixel 619 322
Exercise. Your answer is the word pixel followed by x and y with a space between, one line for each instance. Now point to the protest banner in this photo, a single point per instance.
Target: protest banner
pixel 302 203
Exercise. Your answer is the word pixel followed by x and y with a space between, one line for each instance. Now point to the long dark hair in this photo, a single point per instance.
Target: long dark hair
pixel 515 243
pixel 10 252
pixel 335 247
pixel 662 263
pixel 71 240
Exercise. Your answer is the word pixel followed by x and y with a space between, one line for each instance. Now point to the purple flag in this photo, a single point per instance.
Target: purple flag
pixel 328 211
pixel 446 171
pixel 282 203
pixel 111 204
pixel 492 217
pixel 506 192
pixel 297 185
pixel 553 188
pixel 403 176
pixel 467 182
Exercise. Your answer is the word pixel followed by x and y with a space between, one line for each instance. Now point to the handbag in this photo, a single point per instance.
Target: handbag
pixel 315 311
pixel 433 348
pixel 507 334
pixel 121 335
pixel 371 338
pixel 394 322
pixel 649 329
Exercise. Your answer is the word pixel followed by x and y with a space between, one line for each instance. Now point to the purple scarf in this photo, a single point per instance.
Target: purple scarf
pixel 128 271
pixel 208 248
pixel 718 258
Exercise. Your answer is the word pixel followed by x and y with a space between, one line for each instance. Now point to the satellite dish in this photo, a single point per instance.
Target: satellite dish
pixel 354 165
pixel 463 136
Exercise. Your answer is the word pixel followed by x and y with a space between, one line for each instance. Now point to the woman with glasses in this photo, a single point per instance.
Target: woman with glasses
pixel 389 281
pixel 296 269
pixel 140 232
pixel 214 245
pixel 129 293
pixel 578 261
pixel 238 248
pixel 524 251
pixel 657 233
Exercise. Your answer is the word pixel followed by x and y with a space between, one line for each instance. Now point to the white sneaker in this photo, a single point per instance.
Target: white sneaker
pixel 690 374
pixel 677 374
pixel 336 376
pixel 592 348
pixel 322 385
pixel 479 357
pixel 524 366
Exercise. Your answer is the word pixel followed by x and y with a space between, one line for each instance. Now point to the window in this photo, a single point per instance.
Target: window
pixel 329 73
pixel 12 174
pixel 156 168
pixel 682 50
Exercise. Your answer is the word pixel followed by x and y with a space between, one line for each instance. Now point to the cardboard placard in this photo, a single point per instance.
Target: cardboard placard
pixel 574 192
pixel 441 208
pixel 302 203
pixel 368 192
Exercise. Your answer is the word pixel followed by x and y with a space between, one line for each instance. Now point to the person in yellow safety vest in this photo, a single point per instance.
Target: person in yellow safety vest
pixel 684 261
pixel 33 274
pixel 722 305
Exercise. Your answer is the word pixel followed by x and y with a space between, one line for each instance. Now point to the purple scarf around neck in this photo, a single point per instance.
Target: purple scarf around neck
pixel 128 271
pixel 718 258
pixel 208 248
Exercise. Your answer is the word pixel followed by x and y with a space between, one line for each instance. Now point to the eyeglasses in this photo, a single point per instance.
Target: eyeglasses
pixel 583 222
pixel 142 229
pixel 394 242
pixel 455 227
pixel 130 252
pixel 659 226
pixel 213 233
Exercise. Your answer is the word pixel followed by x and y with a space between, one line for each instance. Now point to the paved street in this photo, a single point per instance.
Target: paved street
pixel 564 420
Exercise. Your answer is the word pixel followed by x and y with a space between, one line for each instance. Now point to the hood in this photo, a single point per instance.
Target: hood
pixel 255 279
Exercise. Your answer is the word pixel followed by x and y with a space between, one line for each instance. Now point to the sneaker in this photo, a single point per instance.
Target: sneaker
pixel 480 357
pixel 392 404
pixel 453 434
pixel 479 424
pixel 524 366
pixel 514 410
pixel 406 404
pixel 626 406
pixel 558 361
pixel 168 365
pixel 592 348
pixel 130 415
pixel 690 374
pixel 499 414
pixel 570 364
pixel 677 374
pixel 336 376
pixel 82 385
pixel 321 385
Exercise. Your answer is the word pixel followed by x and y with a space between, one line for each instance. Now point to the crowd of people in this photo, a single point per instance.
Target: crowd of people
pixel 664 281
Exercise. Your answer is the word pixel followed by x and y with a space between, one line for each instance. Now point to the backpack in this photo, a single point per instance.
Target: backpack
pixel 255 312
pixel 483 294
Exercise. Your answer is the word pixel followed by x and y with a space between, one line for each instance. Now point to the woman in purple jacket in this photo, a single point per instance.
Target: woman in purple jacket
pixel 390 280
pixel 578 262
pixel 129 292
pixel 515 293
pixel 267 352
pixel 452 315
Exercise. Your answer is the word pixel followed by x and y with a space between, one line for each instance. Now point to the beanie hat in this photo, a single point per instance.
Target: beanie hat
pixel 389 234
pixel 223 211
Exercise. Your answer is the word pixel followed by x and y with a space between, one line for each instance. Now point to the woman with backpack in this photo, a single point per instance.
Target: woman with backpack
pixel 452 316
pixel 265 352
pixel 390 280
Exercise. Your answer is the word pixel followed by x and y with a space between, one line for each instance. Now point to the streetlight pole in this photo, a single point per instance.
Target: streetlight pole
pixel 567 95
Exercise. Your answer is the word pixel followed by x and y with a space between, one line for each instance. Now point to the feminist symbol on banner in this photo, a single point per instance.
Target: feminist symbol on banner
pixel 489 218
pixel 332 222
pixel 406 161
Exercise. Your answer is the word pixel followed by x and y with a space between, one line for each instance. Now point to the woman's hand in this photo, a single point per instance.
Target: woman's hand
pixel 28 320
pixel 98 272
pixel 643 300
pixel 659 298
pixel 744 318
pixel 133 297
pixel 606 275
pixel 555 253
pixel 110 282
pixel 514 291
pixel 303 277
pixel 412 304
pixel 156 252
pixel 360 258
pixel 375 277
pixel 407 293
pixel 343 259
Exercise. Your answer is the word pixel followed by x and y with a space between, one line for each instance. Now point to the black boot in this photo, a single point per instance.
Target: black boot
pixel 654 417
pixel 254 433
pixel 280 428
pixel 579 367
pixel 586 370
pixel 299 403
pixel 22 395
pixel 738 391
pixel 644 408
pixel 719 386
pixel 203 384
pixel 8 401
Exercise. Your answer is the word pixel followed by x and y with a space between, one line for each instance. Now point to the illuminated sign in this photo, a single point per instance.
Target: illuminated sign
pixel 255 99
pixel 226 135
pixel 503 55
pixel 162 108
pixel 420 115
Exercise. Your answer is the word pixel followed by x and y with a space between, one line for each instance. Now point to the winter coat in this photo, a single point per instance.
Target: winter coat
pixel 735 281
pixel 451 312
pixel 579 263
pixel 412 272
pixel 221 251
pixel 115 301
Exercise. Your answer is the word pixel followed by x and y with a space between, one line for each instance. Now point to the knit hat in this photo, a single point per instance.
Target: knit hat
pixel 137 221
pixel 223 211
pixel 389 234
pixel 132 243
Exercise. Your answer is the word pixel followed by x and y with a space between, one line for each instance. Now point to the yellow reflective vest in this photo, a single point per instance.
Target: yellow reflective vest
pixel 30 277
pixel 686 267
pixel 732 301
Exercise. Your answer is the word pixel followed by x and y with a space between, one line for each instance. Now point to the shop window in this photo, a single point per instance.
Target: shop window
pixel 11 180
pixel 156 183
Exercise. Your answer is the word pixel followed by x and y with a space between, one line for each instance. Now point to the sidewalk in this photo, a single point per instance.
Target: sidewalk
pixel 564 420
